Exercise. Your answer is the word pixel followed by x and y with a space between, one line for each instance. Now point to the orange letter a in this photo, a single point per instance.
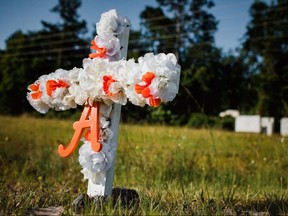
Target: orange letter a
pixel 79 126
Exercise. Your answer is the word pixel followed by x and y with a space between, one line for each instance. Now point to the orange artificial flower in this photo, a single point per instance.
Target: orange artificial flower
pixel 107 81
pixel 35 89
pixel 145 91
pixel 52 85
pixel 100 51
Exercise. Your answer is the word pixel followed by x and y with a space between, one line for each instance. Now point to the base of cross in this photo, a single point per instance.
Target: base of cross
pixel 122 196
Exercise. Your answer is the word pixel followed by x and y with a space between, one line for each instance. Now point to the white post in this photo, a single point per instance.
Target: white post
pixel 106 190
pixel 284 126
pixel 267 125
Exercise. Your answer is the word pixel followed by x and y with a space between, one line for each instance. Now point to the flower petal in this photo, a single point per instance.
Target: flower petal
pixel 148 77
pixel 146 92
pixel 155 102
pixel 138 88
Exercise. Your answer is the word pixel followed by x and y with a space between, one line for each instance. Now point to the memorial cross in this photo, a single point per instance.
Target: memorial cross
pixel 105 82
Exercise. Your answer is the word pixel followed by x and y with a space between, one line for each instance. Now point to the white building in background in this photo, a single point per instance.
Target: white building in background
pixel 254 124
pixel 284 127
pixel 248 123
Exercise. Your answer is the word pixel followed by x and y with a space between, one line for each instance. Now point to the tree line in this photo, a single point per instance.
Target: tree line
pixel 252 79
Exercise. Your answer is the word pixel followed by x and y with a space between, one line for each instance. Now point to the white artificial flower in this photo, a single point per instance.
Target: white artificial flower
pixel 163 88
pixel 129 76
pixel 114 88
pixel 106 134
pixel 135 98
pixel 105 110
pixel 55 97
pixel 104 122
pixel 34 96
pixel 108 22
pixel 96 178
pixel 111 23
pixel 95 163
pixel 167 74
pixel 76 94
pixel 74 75
pixel 125 72
pixel 38 104
pixel 118 95
pixel 172 58
pixel 91 79
pixel 69 101
pixel 111 44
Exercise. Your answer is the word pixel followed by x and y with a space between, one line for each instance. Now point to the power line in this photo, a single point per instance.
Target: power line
pixel 131 42
pixel 63 34
pixel 215 9
pixel 51 35
pixel 46 51
pixel 49 43
pixel 144 39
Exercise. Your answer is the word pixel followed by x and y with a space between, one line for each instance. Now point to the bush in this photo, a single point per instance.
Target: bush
pixel 227 123
pixel 200 120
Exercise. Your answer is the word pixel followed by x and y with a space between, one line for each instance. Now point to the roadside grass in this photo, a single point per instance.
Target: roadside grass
pixel 175 170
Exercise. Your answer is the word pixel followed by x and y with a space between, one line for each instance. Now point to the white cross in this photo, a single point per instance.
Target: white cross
pixel 105 82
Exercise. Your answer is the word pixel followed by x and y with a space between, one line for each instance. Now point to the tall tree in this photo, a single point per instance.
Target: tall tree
pixel 13 70
pixel 65 36
pixel 177 25
pixel 159 30
pixel 235 84
pixel 29 55
pixel 266 48
pixel 186 28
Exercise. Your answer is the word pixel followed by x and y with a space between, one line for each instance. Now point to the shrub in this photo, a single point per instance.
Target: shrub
pixel 227 123
pixel 200 120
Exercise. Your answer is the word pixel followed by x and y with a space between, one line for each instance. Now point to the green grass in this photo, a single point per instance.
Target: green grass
pixel 176 170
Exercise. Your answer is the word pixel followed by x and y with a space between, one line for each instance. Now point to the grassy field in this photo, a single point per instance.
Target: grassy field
pixel 175 170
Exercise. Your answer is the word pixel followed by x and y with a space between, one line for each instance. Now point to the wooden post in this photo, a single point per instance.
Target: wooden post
pixel 106 190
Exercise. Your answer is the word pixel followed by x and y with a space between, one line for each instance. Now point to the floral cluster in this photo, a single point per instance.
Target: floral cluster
pixel 154 79
pixel 107 78
pixel 106 44
pixel 95 164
